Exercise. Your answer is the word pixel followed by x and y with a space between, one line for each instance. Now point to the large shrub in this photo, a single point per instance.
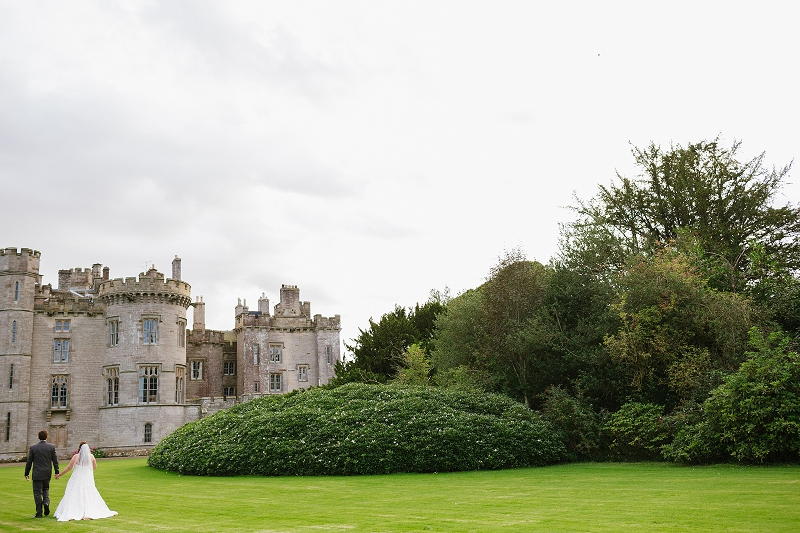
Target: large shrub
pixel 638 431
pixel 754 416
pixel 362 429
pixel 581 426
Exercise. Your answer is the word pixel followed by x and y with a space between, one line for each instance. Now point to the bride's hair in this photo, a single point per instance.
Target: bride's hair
pixel 81 444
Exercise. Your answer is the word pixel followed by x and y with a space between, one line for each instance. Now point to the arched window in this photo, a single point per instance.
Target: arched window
pixel 13 332
pixel 112 386
pixel 16 291
pixel 58 396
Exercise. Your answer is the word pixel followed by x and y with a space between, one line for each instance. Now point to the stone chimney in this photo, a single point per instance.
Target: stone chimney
pixel 176 268
pixel 105 273
pixel 199 314
pixel 263 305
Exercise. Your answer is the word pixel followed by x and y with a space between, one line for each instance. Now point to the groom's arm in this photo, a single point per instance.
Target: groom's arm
pixel 29 463
pixel 55 459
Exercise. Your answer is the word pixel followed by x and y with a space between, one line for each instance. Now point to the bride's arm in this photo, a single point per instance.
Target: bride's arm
pixel 94 463
pixel 69 467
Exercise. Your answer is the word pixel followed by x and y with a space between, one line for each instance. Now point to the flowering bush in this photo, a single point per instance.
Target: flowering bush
pixel 362 429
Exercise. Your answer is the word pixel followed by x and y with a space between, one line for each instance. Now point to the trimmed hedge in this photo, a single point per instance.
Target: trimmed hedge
pixel 362 429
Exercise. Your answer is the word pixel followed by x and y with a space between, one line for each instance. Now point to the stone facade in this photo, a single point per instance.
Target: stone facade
pixel 111 361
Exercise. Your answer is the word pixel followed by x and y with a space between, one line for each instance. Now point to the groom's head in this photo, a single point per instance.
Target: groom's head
pixel 43 435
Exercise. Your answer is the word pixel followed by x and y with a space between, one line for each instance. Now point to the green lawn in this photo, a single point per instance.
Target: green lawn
pixel 575 497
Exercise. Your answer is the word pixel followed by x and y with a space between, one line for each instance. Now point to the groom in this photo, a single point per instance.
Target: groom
pixel 41 456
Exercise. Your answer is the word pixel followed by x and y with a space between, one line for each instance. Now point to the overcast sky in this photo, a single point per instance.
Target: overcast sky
pixel 367 152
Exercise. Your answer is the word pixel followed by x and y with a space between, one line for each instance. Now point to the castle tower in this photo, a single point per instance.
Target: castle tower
pixel 145 370
pixel 19 277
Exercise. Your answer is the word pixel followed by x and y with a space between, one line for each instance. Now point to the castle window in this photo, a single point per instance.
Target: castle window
pixel 180 377
pixel 229 368
pixel 113 332
pixel 112 386
pixel 148 432
pixel 229 391
pixel 197 370
pixel 8 426
pixel 150 331
pixel 182 333
pixel 255 354
pixel 329 353
pixel 275 352
pixel 302 373
pixel 11 377
pixel 13 332
pixel 62 325
pixel 255 386
pixel 60 350
pixel 58 393
pixel 148 384
pixel 16 291
pixel 275 382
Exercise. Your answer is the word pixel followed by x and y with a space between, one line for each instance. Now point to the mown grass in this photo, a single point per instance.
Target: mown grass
pixel 575 497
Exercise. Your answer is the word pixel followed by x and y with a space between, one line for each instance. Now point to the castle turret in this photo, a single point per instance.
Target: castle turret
pixel 19 277
pixel 146 352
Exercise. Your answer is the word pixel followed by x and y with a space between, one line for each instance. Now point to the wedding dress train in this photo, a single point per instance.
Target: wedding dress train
pixel 81 499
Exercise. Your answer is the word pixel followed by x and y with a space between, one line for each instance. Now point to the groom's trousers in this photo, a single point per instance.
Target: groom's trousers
pixel 41 493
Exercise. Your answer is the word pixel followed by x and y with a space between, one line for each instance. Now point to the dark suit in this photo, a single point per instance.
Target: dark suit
pixel 41 456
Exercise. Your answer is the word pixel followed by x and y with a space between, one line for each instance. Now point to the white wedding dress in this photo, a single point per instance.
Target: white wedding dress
pixel 81 499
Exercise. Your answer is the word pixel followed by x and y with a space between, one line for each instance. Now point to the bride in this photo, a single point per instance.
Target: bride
pixel 81 499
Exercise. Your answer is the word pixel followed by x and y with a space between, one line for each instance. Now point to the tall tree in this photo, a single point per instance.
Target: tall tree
pixel 702 195
pixel 378 351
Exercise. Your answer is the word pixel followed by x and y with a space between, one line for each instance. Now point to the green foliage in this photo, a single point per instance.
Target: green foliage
pixel 581 426
pixel 459 332
pixel 378 350
pixel 504 331
pixel 416 367
pixel 695 439
pixel 703 193
pixel 757 410
pixel 637 431
pixel 362 429
pixel 675 331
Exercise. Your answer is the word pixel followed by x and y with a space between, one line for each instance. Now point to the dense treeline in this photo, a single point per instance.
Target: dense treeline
pixel 666 327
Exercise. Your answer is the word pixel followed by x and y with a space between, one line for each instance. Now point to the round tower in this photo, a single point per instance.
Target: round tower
pixel 19 277
pixel 145 359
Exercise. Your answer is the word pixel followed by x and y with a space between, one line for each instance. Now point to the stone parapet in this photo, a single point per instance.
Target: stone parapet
pixel 147 286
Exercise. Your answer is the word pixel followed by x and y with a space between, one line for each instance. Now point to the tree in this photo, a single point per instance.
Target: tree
pixel 378 350
pixel 702 196
pixel 757 410
pixel 415 368
pixel 675 331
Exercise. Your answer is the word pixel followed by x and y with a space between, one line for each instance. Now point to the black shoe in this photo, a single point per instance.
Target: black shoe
pixel 38 516
pixel 46 510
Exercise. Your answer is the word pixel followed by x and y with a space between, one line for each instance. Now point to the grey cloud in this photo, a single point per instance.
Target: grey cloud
pixel 230 49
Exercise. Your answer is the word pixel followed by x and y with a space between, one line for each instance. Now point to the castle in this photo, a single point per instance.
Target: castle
pixel 111 361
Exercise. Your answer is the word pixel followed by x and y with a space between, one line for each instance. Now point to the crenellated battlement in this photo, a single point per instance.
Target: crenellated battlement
pixel 208 336
pixel 328 322
pixel 22 251
pixel 23 261
pixel 59 303
pixel 151 284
